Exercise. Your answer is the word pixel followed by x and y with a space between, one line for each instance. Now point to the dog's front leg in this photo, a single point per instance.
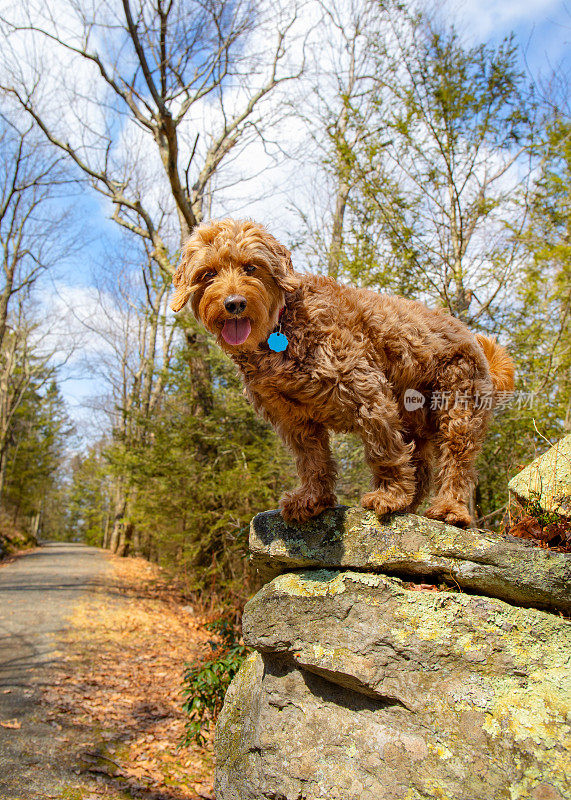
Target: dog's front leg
pixel 317 472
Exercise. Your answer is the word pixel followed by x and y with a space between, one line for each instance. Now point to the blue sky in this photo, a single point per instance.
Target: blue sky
pixel 542 28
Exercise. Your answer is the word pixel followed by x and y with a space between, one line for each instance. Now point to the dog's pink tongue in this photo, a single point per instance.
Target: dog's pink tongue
pixel 236 331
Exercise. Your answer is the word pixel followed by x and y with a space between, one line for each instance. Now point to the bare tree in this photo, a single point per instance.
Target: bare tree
pixel 132 344
pixel 424 149
pixel 337 112
pixel 33 228
pixel 352 96
pixel 447 187
pixel 34 233
pixel 184 76
pixel 144 360
pixel 148 99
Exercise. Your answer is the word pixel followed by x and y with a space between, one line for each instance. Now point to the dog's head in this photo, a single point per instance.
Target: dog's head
pixel 235 275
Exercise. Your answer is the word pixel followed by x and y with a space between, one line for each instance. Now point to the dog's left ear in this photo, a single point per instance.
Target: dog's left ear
pixel 284 275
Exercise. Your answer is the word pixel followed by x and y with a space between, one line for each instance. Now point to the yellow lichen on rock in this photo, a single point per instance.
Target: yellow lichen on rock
pixel 547 479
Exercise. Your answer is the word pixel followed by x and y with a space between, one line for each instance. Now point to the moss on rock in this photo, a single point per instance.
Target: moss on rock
pixel 406 545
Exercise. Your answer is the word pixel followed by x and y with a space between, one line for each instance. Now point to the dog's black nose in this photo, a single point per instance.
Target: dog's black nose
pixel 235 303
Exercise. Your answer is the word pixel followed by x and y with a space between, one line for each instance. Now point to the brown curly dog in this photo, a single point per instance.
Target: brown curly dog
pixel 413 382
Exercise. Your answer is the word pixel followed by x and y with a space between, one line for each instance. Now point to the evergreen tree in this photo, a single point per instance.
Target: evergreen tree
pixel 34 483
pixel 88 510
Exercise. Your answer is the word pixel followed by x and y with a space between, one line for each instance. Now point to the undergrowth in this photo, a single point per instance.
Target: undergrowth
pixel 534 508
pixel 205 684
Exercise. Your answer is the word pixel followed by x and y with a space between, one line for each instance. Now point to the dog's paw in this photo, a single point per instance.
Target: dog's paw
pixel 385 502
pixel 450 511
pixel 299 505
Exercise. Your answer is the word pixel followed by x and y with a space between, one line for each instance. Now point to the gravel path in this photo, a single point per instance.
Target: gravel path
pixel 38 591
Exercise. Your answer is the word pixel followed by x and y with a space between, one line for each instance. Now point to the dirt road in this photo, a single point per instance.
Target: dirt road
pixel 38 591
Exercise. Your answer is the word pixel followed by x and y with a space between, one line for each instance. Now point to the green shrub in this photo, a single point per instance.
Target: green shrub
pixel 205 684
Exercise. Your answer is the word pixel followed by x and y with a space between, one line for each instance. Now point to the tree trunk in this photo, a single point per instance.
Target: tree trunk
pixel 335 247
pixel 3 460
pixel 106 533
pixel 136 546
pixel 146 545
pixel 153 552
pixel 120 506
pixel 125 538
pixel 35 526
pixel 200 370
pixel 118 523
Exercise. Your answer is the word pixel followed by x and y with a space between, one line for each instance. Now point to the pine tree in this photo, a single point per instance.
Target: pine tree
pixel 34 483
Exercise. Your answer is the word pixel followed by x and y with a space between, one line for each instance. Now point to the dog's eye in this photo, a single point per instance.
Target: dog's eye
pixel 249 268
pixel 207 276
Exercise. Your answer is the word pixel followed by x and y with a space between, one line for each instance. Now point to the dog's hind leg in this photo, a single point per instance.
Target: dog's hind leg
pixel 388 456
pixel 422 460
pixel 461 430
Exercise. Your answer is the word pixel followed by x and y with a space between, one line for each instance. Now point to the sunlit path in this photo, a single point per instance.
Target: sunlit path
pixel 38 592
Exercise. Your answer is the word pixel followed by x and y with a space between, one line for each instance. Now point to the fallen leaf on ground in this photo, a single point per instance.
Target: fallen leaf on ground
pixel 553 535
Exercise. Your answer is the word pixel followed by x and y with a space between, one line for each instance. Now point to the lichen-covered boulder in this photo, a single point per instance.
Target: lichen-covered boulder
pixel 285 734
pixel 363 689
pixel 408 545
pixel 547 480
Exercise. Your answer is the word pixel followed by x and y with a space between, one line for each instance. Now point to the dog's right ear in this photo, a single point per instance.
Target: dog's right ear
pixel 181 282
pixel 184 278
pixel 284 275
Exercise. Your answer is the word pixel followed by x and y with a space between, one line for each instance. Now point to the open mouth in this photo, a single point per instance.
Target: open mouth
pixel 236 330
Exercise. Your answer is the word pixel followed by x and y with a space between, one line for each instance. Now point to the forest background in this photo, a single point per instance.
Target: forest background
pixel 404 147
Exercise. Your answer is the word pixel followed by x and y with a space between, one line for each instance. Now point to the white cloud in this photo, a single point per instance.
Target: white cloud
pixel 493 18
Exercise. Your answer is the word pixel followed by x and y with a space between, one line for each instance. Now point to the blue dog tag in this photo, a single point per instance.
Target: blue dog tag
pixel 277 342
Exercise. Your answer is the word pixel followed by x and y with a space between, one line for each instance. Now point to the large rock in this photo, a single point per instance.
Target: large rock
pixel 409 545
pixel 366 690
pixel 547 480
pixel 364 687
pixel 285 735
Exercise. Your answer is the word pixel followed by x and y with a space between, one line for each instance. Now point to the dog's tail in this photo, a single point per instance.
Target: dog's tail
pixel 500 363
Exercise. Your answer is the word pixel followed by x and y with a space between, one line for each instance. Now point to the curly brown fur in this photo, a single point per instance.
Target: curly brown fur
pixel 351 356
